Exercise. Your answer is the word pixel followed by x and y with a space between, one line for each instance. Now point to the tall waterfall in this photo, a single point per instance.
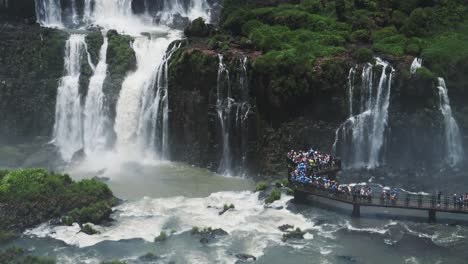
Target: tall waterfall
pixel 223 108
pixel 361 138
pixel 95 119
pixel 453 141
pixel 351 77
pixel 68 130
pixel 233 109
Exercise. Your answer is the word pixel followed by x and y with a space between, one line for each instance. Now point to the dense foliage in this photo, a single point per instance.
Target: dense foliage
pixel 34 195
pixel 294 35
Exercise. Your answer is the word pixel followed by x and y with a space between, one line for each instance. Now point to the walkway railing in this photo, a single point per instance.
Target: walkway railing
pixel 404 200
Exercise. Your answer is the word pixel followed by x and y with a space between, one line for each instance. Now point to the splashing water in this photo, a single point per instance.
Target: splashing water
pixel 453 142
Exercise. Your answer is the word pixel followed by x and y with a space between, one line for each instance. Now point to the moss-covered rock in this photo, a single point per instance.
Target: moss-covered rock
pixel 30 197
pixel 198 28
pixel 32 63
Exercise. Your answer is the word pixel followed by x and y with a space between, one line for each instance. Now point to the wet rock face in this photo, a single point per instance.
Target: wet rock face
pixel 19 10
pixel 32 63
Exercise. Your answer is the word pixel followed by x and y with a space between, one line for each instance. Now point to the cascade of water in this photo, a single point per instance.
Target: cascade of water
pixel 223 108
pixel 68 114
pixel 153 124
pixel 142 111
pixel 95 120
pixel 417 63
pixel 453 142
pixel 49 13
pixel 243 111
pixel 362 136
pixel 137 89
pixel 351 76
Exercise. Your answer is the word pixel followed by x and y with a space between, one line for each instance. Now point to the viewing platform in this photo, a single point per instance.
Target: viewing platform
pixel 409 201
pixel 314 173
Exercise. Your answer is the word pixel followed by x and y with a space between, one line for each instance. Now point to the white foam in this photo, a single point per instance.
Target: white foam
pixel 146 218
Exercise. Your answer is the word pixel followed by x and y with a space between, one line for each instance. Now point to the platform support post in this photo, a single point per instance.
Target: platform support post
pixel 356 210
pixel 432 216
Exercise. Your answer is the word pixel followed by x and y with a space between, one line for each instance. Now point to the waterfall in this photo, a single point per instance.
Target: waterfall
pixel 68 114
pixel 361 137
pixel 131 124
pixel 351 76
pixel 95 120
pixel 223 108
pixel 49 13
pixel 141 124
pixel 417 63
pixel 153 130
pixel 233 110
pixel 453 141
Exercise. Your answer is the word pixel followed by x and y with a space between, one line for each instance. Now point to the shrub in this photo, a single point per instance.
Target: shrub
pixel 363 55
pixel 162 237
pixel 261 186
pixel 360 35
pixel 274 195
pixel 6 236
pixel 89 230
pixel 424 73
pixel 197 28
pixel 278 184
pixel 227 207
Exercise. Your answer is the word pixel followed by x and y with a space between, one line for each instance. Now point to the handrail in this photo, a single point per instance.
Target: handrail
pixel 407 201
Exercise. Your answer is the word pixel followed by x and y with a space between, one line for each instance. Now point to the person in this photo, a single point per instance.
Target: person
pixel 455 200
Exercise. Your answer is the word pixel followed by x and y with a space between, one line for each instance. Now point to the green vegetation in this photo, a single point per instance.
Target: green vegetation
pixel 227 207
pixel 261 186
pixel 32 196
pixel 295 234
pixel 274 195
pixel 295 36
pixel 94 42
pixel 120 55
pixel 162 237
pixel 89 230
pixel 6 236
pixel 18 256
pixel 198 28
pixel 278 184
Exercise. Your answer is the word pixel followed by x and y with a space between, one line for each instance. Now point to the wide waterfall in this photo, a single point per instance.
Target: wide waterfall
pixel 95 120
pixel 68 130
pixel 453 142
pixel 142 111
pixel 360 139
pixel 233 109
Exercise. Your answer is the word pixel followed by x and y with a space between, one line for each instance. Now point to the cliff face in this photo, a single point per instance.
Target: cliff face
pixel 414 138
pixel 32 63
pixel 22 10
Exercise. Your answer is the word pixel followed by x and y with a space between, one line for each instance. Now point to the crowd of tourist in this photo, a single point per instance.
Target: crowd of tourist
pixel 306 167
pixel 311 161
